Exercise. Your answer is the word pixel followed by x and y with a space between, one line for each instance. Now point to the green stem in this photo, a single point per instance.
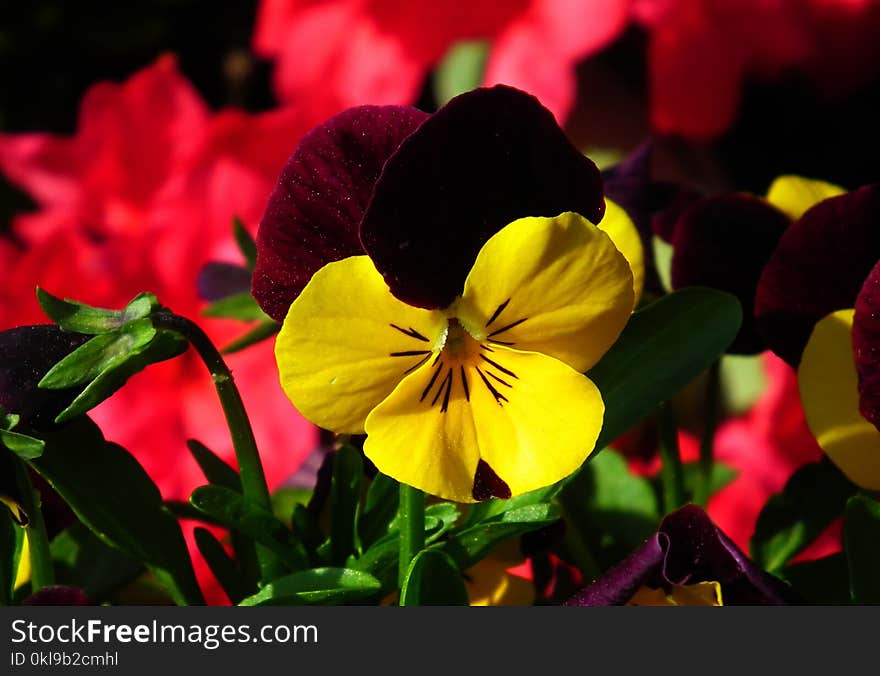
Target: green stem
pixel 42 572
pixel 576 544
pixel 411 517
pixel 707 442
pixel 671 471
pixel 253 480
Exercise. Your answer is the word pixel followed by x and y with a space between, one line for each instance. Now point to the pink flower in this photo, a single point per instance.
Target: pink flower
pixel 341 53
pixel 138 200
pixel 700 52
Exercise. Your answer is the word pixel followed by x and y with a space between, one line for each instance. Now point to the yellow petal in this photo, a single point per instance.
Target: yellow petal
pixel 489 584
pixel 533 419
pixel 793 195
pixel 622 231
pixel 347 342
pixel 557 286
pixel 546 425
pixel 23 574
pixel 699 594
pixel 423 438
pixel 828 385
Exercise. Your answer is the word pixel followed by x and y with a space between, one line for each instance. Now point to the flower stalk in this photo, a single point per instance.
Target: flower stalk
pixel 411 517
pixel 707 442
pixel 671 471
pixel 42 572
pixel 253 479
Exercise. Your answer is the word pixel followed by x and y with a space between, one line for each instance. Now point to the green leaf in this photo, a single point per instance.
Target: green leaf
pixel 610 509
pixel 823 581
pixel 345 495
pixel 318 586
pixel 446 513
pixel 439 519
pixel 743 381
pixel 102 353
pixel 380 508
pixel 813 497
pixel 861 535
pixel 8 421
pixel 663 347
pixel 11 540
pixel 469 545
pixel 80 318
pixel 113 495
pixel 460 70
pixel 286 500
pixel 82 560
pixel 166 345
pixel 221 564
pixel 215 469
pixel 382 558
pixel 305 527
pixel 231 510
pixel 663 261
pixel 488 509
pixel 265 329
pixel 22 445
pixel 433 579
pixel 245 242
pixel 722 475
pixel 241 306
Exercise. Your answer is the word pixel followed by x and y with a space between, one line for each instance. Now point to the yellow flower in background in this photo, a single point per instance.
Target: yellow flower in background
pixel 793 195
pixel 829 389
pixel 485 397
pixel 698 594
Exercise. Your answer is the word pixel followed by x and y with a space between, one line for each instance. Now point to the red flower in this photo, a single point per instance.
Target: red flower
pixel 701 51
pixel 139 199
pixel 343 53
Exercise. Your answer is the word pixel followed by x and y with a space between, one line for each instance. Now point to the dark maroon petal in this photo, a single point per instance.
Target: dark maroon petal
pixel 819 267
pixel 313 214
pixel 723 243
pixel 617 586
pixel 628 184
pixel 699 552
pixel 674 199
pixel 26 355
pixel 487 484
pixel 218 280
pixel 486 158
pixel 866 346
pixel 57 596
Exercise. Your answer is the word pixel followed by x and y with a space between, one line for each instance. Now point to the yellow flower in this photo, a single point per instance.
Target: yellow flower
pixel 485 397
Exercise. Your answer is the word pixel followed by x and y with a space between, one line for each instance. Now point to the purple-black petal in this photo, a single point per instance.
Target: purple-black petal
pixel 724 243
pixel 314 213
pixel 218 280
pixel 26 355
pixel 485 159
pixel 818 267
pixel 688 548
pixel 866 346
pixel 699 552
pixel 620 583
pixel 629 184
pixel 57 595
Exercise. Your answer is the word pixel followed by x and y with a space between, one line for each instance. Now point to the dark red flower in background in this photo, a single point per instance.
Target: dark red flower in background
pixel 701 52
